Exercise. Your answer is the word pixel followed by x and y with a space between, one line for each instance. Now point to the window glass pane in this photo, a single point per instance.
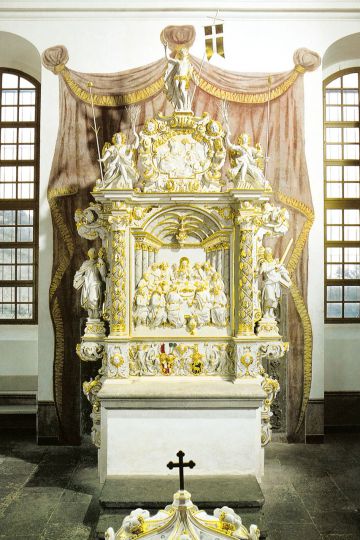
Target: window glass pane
pixel 333 114
pixel 9 97
pixel 352 310
pixel 26 174
pixel 25 255
pixel 7 311
pixel 334 135
pixel 334 233
pixel 7 174
pixel 8 152
pixel 334 216
pixel 351 217
pixel 334 311
pixel 25 234
pixel 351 151
pixel 26 191
pixel 27 114
pixel 351 271
pixel 27 97
pixel 8 191
pixel 333 151
pixel 349 81
pixel 351 191
pixel 26 135
pixel 351 292
pixel 8 135
pixel 24 311
pixel 9 114
pixel 351 173
pixel 25 217
pixel 334 292
pixel 9 80
pixel 351 135
pixel 334 271
pixel 352 254
pixel 336 83
pixel 24 294
pixel 350 114
pixel 352 233
pixel 333 97
pixel 334 254
pixel 334 172
pixel 350 97
pixel 24 272
pixel 25 83
pixel 26 151
pixel 334 190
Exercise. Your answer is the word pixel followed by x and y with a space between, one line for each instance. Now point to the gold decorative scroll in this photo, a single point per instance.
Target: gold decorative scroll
pixel 297 297
pixel 118 100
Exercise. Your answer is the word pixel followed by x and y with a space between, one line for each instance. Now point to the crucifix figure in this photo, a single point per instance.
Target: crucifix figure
pixel 181 465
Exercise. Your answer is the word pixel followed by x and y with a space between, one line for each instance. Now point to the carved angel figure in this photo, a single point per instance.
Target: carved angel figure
pixel 177 79
pixel 119 161
pixel 90 279
pixel 275 275
pixel 245 171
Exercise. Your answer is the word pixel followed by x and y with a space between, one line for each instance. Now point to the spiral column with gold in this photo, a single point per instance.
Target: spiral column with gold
pixel 244 286
pixel 119 270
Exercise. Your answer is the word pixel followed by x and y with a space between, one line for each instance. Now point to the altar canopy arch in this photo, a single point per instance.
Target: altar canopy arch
pixel 75 169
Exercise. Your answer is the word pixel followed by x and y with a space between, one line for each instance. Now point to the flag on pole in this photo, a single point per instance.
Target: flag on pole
pixel 214 40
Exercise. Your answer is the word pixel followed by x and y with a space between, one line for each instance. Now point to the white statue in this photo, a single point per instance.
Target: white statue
pixel 177 79
pixel 274 275
pixel 219 307
pixel 110 534
pixel 202 303
pixel 120 163
pixel 175 314
pixel 141 310
pixel 157 309
pixel 90 279
pixel 244 161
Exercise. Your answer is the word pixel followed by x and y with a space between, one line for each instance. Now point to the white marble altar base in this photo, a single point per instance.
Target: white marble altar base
pixel 146 421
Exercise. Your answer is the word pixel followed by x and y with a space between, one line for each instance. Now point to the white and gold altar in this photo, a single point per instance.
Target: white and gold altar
pixel 182 298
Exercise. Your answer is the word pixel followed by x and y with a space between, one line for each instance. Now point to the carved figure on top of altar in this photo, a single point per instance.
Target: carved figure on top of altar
pixel 119 159
pixel 90 278
pixel 177 79
pixel 275 275
pixel 245 160
pixel 184 294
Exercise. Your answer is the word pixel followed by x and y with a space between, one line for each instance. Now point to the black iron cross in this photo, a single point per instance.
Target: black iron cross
pixel 181 465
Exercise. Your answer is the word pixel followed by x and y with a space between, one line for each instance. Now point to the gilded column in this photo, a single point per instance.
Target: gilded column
pixel 138 264
pixel 226 272
pixel 245 279
pixel 118 319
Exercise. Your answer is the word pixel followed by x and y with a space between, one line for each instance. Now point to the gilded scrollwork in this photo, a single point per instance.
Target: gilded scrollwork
pixel 91 223
pixel 90 351
pixel 271 387
pixel 117 361
pixel 118 281
pixel 91 389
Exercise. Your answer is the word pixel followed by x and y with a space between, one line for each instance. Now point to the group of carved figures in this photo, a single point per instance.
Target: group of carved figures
pixel 181 295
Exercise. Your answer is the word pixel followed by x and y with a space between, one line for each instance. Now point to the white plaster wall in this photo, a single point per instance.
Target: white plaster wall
pixel 107 41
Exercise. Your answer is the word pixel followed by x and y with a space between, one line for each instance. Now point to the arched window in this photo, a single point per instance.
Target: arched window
pixel 19 182
pixel 342 196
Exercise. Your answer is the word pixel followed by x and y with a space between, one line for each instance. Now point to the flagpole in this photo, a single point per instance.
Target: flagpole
pixel 95 128
pixel 203 60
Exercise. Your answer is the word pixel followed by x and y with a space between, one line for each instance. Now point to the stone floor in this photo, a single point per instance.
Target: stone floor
pixel 312 492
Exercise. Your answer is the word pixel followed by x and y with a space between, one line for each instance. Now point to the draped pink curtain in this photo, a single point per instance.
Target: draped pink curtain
pixel 75 169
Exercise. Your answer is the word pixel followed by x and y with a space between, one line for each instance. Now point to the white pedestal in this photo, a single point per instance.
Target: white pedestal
pixel 146 421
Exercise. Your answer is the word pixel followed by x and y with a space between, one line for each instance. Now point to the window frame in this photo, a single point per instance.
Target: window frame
pixel 25 204
pixel 340 203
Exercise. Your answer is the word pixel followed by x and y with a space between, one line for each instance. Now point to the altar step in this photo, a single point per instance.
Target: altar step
pixel 122 494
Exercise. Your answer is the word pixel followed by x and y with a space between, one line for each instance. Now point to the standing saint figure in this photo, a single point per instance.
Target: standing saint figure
pixel 274 275
pixel 90 279
pixel 244 158
pixel 119 161
pixel 177 79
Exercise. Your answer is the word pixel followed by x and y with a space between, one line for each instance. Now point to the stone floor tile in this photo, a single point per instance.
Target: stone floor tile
pixel 286 509
pixel 279 531
pixel 340 537
pixel 323 501
pixel 337 522
pixel 27 513
pixel 69 513
pixel 69 495
pixel 64 531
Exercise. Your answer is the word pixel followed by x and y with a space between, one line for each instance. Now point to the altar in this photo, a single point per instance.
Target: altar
pixel 182 297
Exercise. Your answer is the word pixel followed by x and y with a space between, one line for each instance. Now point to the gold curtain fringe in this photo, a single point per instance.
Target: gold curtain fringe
pixel 119 100
pixel 59 355
pixel 297 297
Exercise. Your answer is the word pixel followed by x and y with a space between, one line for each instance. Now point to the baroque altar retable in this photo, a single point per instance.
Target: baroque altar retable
pixel 182 297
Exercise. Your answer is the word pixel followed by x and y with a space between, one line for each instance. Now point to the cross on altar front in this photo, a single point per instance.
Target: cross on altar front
pixel 181 465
